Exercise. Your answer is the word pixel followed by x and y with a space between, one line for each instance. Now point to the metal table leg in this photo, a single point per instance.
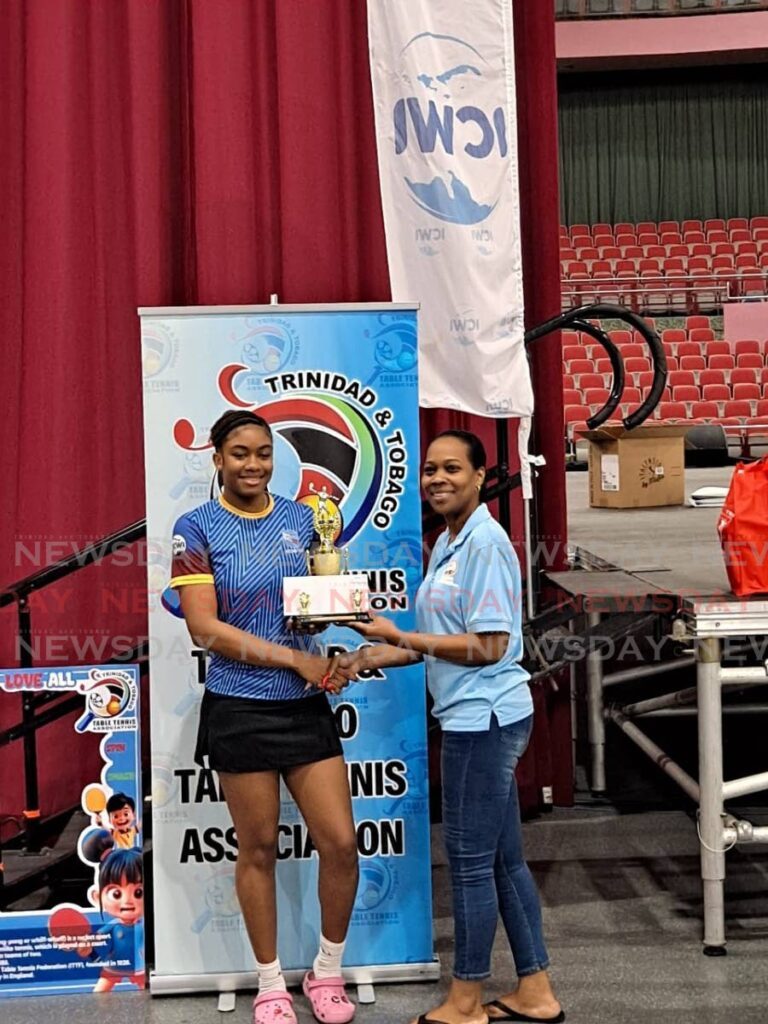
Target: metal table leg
pixel 711 786
pixel 596 721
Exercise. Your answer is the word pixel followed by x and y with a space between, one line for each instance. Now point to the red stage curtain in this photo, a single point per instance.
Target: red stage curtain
pixel 184 152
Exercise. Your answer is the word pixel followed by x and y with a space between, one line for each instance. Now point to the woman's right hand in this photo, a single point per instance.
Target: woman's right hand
pixel 313 668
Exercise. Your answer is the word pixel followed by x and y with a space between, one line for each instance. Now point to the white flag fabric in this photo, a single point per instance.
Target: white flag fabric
pixel 444 96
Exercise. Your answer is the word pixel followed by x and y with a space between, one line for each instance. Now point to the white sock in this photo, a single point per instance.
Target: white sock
pixel 270 977
pixel 328 960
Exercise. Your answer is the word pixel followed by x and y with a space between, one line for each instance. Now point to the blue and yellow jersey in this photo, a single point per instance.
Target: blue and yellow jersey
pixel 245 555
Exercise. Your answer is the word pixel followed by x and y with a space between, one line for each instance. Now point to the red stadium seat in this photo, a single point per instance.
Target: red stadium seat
pixel 646 226
pixel 571 396
pixel 571 352
pixel 657 252
pixel 725 363
pixel 678 251
pixel 568 381
pixel 750 359
pixel 596 397
pixel 692 322
pixel 668 225
pixel 762 407
pixel 570 338
pixel 610 252
pixel 758 222
pixel 686 393
pixel 588 253
pixel 704 411
pixel 746 248
pixel 689 348
pixel 676 378
pixel 714 224
pixel 717 348
pixel 692 237
pixel 637 364
pixel 744 375
pixel 602 229
pixel 753 284
pixel 694 363
pixel 747 345
pixel 644 380
pixel 620 337
pixel 716 393
pixel 672 411
pixel 631 396
pixel 740 410
pixel 701 334
pixel 673 336
pixel 691 225
pixel 764 375
pixel 670 238
pixel 591 380
pixel 711 377
pixel 748 392
pixel 581 229
pixel 579 366
pixel 573 415
pixel 633 351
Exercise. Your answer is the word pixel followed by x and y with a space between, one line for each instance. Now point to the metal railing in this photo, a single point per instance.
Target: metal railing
pixel 575 9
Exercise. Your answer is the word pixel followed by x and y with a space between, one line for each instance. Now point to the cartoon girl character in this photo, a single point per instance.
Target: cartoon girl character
pixel 121 898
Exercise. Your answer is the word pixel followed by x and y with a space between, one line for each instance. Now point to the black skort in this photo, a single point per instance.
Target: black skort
pixel 238 734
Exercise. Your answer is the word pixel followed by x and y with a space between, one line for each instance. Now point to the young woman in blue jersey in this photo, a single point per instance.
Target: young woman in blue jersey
pixel 261 715
pixel 468 617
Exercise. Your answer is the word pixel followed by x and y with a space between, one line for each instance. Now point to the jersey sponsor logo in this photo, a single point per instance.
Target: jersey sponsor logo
pixel 178 545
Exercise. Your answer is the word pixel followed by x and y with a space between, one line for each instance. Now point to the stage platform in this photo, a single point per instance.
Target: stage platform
pixel 668 562
pixel 674 549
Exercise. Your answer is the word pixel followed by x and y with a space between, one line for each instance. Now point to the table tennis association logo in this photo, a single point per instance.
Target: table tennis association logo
pixel 110 696
pixel 159 349
pixel 450 121
pixel 323 440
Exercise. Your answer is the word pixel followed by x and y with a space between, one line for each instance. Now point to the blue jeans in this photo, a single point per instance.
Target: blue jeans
pixel 483 839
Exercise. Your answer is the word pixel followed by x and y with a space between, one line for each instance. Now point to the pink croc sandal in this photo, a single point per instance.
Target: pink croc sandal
pixel 274 1008
pixel 328 999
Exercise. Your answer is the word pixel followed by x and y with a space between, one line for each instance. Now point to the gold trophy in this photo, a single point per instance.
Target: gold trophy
pixel 330 593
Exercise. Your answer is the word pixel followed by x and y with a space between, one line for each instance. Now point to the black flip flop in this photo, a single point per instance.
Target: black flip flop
pixel 510 1014
pixel 424 1019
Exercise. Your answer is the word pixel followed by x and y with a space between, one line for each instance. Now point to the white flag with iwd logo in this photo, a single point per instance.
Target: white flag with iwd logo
pixel 444 96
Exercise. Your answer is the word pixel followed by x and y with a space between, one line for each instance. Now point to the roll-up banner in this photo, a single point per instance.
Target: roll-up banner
pixel 443 78
pixel 82 928
pixel 339 386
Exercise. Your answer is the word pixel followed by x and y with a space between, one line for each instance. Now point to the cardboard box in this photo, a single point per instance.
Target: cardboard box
pixel 639 468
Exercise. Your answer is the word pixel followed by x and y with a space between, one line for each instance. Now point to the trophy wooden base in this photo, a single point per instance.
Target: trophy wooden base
pixel 313 602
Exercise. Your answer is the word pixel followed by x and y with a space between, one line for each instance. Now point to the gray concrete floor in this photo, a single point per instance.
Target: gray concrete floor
pixel 622 911
pixel 674 547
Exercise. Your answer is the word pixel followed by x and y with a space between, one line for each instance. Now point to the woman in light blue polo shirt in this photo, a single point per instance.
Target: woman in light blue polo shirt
pixel 468 616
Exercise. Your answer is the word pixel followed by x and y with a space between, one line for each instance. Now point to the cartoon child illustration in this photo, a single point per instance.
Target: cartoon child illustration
pixel 121 898
pixel 121 811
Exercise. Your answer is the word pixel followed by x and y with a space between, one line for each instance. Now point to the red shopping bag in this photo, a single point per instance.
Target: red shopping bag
pixel 743 529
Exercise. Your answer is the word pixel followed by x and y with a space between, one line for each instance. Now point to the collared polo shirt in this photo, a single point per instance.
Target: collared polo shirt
pixel 473 585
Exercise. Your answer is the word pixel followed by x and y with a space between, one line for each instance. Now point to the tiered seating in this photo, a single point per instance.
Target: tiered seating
pixel 709 380
pixel 669 266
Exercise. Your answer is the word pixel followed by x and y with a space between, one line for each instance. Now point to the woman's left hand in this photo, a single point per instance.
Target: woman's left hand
pixel 379 628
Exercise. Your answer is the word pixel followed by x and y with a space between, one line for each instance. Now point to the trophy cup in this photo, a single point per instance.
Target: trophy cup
pixel 330 593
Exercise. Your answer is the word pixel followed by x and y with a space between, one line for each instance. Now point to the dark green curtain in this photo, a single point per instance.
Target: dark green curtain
pixel 659 146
